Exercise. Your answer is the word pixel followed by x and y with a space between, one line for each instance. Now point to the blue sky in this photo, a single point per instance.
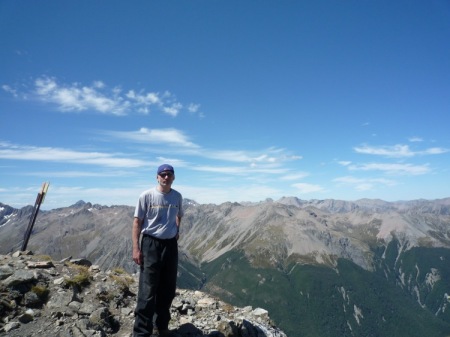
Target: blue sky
pixel 248 100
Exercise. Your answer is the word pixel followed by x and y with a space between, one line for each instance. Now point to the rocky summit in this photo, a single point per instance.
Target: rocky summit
pixel 73 298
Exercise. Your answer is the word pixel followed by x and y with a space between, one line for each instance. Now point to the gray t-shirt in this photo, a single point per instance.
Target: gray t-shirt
pixel 159 211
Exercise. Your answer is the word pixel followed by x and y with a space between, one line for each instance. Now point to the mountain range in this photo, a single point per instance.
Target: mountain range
pixel 321 267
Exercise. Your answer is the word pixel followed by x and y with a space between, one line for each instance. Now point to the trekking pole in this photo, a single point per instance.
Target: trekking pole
pixel 39 200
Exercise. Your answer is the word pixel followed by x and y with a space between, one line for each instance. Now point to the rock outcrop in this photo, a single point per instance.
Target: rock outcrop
pixel 72 298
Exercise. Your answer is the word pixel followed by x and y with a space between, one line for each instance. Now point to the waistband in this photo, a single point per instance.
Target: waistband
pixel 157 239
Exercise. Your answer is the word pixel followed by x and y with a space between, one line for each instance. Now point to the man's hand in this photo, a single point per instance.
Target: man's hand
pixel 137 256
pixel 136 232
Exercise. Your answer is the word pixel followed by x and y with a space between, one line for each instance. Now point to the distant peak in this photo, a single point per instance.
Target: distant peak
pixel 79 203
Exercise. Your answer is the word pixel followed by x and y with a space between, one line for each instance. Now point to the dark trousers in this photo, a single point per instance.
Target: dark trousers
pixel 157 285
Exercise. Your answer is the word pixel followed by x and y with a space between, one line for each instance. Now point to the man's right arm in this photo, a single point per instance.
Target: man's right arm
pixel 136 233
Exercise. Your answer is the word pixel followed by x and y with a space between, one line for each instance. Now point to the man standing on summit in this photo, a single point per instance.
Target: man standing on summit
pixel 157 217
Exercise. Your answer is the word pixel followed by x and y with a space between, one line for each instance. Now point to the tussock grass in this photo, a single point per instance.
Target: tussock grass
pixel 119 271
pixel 41 291
pixel 44 257
pixel 122 278
pixel 81 278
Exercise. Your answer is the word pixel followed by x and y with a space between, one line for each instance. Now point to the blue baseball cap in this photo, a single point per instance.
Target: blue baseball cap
pixel 165 167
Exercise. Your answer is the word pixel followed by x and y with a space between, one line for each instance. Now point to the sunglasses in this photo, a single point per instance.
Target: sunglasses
pixel 166 174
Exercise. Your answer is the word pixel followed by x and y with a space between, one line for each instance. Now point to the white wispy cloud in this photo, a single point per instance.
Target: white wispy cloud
pixel 98 97
pixel 272 155
pixel 240 170
pixel 220 169
pixel 305 188
pixel 75 97
pixel 397 151
pixel 10 90
pixel 53 154
pixel 172 142
pixel 144 98
pixel 294 176
pixel 364 184
pixel 388 151
pixel 241 156
pixel 415 139
pixel 193 107
pixel 395 168
pixel 78 174
pixel 434 150
pixel 180 143
pixel 169 136
pixel 173 109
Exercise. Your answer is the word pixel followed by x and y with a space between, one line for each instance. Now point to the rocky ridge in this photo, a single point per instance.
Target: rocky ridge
pixel 273 233
pixel 73 298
